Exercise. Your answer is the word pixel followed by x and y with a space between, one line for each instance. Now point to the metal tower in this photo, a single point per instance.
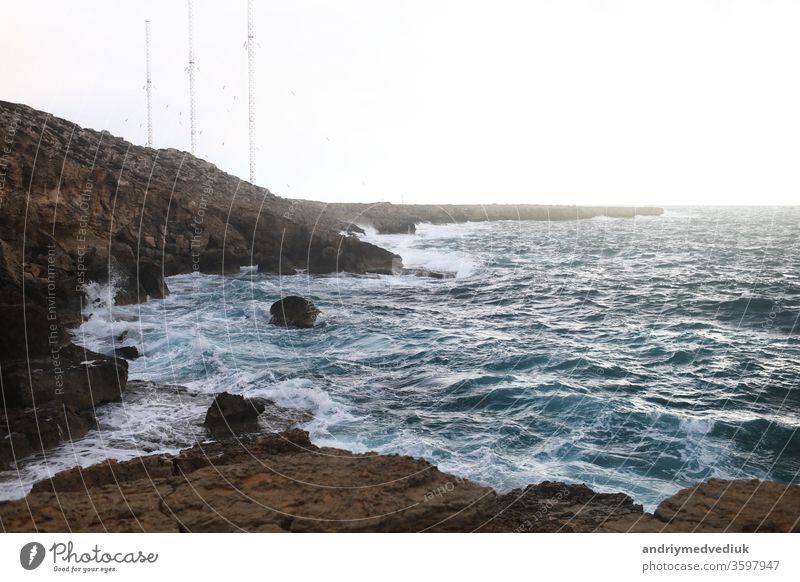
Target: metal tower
pixel 251 89
pixel 191 82
pixel 149 85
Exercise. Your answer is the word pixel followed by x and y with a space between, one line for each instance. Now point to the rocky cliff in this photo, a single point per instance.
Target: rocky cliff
pixel 80 206
pixel 86 205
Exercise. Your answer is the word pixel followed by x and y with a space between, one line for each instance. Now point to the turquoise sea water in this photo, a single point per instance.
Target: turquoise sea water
pixel 633 355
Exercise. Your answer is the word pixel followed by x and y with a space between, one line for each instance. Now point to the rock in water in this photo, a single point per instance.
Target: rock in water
pixel 128 352
pixel 423 272
pixel 355 229
pixel 233 412
pixel 278 418
pixel 294 311
pixel 390 226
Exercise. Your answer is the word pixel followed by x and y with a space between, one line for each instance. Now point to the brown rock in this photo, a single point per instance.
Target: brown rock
pixel 282 482
pixel 279 483
pixel 733 506
pixel 558 507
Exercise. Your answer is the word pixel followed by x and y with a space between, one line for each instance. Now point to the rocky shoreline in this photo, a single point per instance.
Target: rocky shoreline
pixel 242 480
pixel 81 207
pixel 282 482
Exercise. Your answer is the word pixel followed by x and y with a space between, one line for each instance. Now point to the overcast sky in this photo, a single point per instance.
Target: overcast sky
pixel 559 101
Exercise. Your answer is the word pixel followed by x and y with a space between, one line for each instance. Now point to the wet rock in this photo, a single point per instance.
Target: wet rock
pixel 233 412
pixel 354 229
pixel 278 418
pixel 389 226
pixel 71 375
pixel 236 414
pixel 149 285
pixel 294 311
pixel 423 272
pixel 366 258
pixel 128 352
pixel 25 431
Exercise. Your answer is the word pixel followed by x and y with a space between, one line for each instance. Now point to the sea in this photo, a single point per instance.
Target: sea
pixel 636 355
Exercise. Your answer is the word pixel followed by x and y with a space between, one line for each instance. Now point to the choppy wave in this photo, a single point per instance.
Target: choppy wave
pixel 634 355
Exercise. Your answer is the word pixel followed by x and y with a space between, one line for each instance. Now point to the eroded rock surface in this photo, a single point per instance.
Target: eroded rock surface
pixel 559 507
pixel 276 483
pixel 733 506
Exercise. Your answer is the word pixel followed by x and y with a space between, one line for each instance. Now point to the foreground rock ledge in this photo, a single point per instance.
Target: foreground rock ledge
pixel 282 482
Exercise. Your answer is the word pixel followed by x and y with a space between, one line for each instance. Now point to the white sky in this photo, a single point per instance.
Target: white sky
pixel 556 101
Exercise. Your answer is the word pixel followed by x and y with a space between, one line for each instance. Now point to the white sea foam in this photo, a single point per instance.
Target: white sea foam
pixel 420 251
pixel 102 324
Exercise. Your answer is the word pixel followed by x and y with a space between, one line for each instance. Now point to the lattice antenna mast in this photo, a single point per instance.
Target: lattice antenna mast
pixel 251 88
pixel 192 119
pixel 149 85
